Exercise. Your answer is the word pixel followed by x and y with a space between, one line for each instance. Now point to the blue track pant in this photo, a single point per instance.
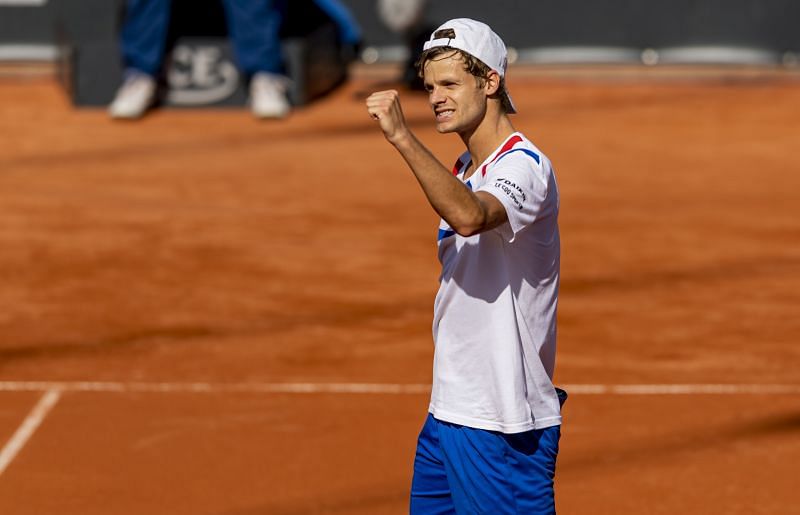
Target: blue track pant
pixel 253 25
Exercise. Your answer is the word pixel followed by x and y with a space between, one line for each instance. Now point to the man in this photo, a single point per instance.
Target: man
pixel 254 27
pixel 490 442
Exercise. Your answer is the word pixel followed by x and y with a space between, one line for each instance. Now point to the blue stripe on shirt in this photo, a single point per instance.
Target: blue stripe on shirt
pixel 531 153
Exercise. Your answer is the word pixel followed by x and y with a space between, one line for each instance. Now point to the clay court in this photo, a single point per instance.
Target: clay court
pixel 204 314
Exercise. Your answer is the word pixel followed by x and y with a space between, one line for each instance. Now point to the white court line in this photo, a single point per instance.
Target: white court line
pixel 28 427
pixel 382 388
pixel 170 387
pixel 682 389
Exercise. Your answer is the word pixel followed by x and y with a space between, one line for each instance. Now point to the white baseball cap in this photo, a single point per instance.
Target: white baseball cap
pixel 475 38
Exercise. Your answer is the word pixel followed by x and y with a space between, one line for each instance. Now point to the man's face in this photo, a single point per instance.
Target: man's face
pixel 457 97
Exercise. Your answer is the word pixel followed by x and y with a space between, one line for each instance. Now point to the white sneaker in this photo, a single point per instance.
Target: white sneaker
pixel 268 95
pixel 134 97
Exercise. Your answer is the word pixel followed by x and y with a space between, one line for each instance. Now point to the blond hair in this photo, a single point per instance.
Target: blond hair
pixel 472 65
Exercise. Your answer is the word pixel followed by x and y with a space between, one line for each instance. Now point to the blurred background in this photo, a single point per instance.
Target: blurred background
pixel 82 36
pixel 229 316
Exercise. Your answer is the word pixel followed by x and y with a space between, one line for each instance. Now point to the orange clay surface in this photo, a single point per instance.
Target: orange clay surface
pixel 206 247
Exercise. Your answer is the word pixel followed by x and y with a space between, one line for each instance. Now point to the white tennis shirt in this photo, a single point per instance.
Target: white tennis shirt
pixel 494 324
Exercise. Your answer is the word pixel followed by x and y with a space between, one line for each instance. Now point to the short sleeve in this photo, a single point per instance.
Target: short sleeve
pixel 521 184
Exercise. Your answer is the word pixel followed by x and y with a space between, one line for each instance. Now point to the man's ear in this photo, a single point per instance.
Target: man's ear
pixel 492 85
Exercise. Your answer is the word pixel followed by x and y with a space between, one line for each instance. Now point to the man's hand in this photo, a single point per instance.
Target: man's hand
pixel 384 107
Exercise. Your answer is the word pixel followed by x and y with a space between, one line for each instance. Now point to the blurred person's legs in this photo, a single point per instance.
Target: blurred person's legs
pixel 349 31
pixel 254 27
pixel 143 40
pixel 144 35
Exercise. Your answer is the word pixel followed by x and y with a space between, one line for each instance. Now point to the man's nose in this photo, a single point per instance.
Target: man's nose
pixel 435 96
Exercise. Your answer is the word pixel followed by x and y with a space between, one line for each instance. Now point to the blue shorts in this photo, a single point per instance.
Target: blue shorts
pixel 464 470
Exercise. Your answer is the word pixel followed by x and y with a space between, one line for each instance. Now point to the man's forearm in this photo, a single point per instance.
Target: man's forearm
pixel 448 196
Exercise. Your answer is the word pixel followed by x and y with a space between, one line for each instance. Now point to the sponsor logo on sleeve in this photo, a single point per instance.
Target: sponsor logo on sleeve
pixel 511 190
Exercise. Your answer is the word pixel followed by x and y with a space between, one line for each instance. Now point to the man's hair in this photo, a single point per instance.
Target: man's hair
pixel 472 65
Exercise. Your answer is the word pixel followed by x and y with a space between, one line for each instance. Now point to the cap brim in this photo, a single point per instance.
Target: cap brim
pixel 513 109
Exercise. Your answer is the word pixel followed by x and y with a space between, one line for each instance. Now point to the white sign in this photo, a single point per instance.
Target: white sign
pixel 23 2
pixel 200 74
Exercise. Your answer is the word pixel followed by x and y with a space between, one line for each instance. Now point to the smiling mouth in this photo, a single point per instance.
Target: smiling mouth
pixel 444 114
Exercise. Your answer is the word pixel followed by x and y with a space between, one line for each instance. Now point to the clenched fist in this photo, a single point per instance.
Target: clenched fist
pixel 384 107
